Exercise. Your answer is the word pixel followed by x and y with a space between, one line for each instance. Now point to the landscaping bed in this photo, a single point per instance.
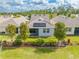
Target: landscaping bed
pixel 38 43
pixel 42 42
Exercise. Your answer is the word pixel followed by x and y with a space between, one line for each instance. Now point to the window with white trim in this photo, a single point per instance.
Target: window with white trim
pixel 69 29
pixel 46 30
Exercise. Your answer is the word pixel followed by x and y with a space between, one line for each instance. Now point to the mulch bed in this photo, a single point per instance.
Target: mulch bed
pixel 25 44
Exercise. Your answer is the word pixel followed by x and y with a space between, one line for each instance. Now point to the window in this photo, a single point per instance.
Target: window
pixel 76 31
pixel 33 30
pixel 16 30
pixel 39 25
pixel 69 29
pixel 45 30
pixel 2 32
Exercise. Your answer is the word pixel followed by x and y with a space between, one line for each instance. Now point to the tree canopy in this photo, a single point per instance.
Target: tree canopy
pixel 24 31
pixel 60 31
pixel 11 30
pixel 61 10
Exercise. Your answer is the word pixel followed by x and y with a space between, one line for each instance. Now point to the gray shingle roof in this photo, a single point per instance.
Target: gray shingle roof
pixel 67 21
pixel 18 21
pixel 36 16
pixel 15 21
pixel 76 22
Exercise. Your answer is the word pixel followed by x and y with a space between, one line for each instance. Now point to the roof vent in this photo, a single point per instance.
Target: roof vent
pixel 39 19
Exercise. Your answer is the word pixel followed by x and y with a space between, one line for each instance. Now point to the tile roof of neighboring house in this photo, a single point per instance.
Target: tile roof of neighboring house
pixel 76 22
pixel 20 20
pixel 67 21
pixel 15 21
pixel 4 18
pixel 5 23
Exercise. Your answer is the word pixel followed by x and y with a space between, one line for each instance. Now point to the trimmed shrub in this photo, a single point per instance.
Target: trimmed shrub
pixel 38 42
pixel 4 43
pixel 18 41
pixel 50 43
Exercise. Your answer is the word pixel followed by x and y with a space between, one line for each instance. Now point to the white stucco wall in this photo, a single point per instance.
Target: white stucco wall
pixel 71 32
pixel 51 32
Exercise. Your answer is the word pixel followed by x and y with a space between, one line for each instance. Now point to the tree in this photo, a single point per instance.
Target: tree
pixel 11 30
pixel 60 31
pixel 24 30
pixel 61 10
pixel 50 16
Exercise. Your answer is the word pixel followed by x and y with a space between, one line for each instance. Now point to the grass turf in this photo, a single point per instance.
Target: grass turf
pixel 72 38
pixel 41 53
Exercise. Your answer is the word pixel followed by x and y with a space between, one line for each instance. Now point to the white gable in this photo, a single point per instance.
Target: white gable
pixel 41 21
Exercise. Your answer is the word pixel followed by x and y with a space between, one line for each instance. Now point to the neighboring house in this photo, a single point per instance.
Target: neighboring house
pixel 72 25
pixel 41 25
pixel 15 21
pixel 76 26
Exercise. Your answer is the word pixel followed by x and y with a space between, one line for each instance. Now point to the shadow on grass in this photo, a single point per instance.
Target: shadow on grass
pixel 37 50
pixel 5 49
pixel 45 50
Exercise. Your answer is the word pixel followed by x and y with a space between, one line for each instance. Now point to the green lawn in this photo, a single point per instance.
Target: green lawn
pixel 72 38
pixel 41 53
pixel 4 37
